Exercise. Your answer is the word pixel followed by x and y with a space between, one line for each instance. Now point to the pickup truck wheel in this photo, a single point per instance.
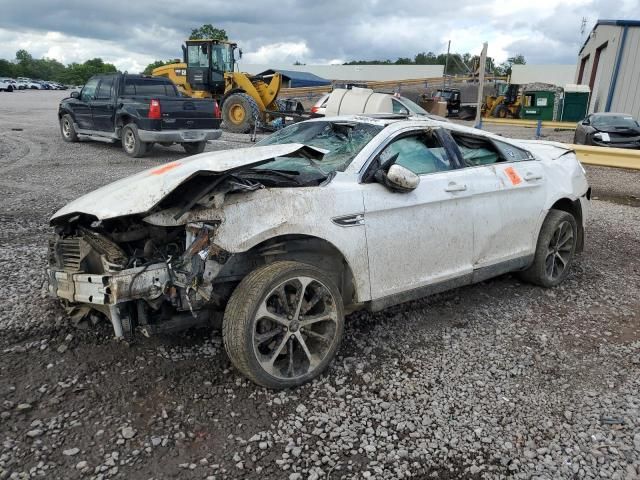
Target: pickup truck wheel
pixel 239 112
pixel 193 148
pixel 131 143
pixel 283 324
pixel 555 250
pixel 67 130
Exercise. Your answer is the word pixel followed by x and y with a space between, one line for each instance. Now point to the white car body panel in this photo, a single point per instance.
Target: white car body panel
pixel 398 241
pixel 142 191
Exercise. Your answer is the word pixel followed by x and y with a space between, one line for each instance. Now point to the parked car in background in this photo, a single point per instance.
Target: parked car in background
pixel 6 85
pixel 138 110
pixel 320 107
pixel 618 130
pixel 364 100
pixel 321 218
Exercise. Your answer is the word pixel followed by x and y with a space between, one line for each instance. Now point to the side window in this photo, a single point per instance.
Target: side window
pixel 421 153
pixel 399 108
pixel 511 153
pixel 105 88
pixel 478 151
pixel 89 90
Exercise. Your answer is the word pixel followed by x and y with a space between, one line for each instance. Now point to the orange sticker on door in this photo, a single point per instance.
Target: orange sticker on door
pixel 513 175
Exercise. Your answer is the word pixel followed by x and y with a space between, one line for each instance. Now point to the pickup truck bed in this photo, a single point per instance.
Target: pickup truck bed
pixel 139 111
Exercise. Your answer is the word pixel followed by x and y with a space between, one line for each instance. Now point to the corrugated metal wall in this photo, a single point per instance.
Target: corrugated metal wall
pixel 354 72
pixel 626 97
pixel 558 75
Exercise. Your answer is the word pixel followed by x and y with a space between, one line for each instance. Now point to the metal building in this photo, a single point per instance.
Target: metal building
pixel 609 62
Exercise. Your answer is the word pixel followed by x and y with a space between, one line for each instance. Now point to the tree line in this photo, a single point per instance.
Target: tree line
pixel 24 65
pixel 457 64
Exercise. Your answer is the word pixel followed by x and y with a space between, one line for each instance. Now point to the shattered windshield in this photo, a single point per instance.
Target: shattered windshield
pixel 343 140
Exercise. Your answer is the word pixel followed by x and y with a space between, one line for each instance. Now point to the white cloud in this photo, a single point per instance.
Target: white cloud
pixel 281 53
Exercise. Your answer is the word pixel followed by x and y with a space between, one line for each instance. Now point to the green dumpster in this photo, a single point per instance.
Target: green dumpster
pixel 575 103
pixel 538 105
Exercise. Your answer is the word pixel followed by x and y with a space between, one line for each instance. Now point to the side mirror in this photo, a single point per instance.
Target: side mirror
pixel 75 94
pixel 585 122
pixel 398 179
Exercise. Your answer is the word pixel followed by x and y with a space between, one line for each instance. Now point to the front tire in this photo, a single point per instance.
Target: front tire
pixel 67 130
pixel 239 113
pixel 555 250
pixel 283 324
pixel 194 148
pixel 131 143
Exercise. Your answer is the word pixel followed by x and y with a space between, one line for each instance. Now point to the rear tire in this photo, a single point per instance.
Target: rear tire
pixel 131 143
pixel 239 113
pixel 194 148
pixel 501 112
pixel 555 250
pixel 283 324
pixel 67 129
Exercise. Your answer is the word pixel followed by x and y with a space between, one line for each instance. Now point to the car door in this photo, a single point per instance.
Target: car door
pixel 82 107
pixel 102 106
pixel 421 237
pixel 509 196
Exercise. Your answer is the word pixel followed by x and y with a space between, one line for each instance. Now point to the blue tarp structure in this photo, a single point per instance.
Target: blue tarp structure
pixel 294 79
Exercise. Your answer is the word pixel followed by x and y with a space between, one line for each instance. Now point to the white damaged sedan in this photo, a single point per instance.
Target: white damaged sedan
pixel 280 240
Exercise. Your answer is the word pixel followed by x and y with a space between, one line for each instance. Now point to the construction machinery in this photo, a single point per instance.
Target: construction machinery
pixel 506 104
pixel 209 71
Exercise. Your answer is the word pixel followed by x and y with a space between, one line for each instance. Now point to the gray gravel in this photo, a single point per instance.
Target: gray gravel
pixel 496 380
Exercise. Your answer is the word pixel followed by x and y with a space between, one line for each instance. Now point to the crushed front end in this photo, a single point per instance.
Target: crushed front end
pixel 137 275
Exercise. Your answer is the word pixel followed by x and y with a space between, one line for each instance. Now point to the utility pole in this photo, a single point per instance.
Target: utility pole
pixel 446 65
pixel 481 68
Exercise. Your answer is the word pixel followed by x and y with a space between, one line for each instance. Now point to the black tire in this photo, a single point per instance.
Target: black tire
pixel 239 112
pixel 10 88
pixel 67 130
pixel 556 248
pixel 193 148
pixel 501 112
pixel 242 324
pixel 131 143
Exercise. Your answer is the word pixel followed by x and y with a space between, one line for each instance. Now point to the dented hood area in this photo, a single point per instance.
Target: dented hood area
pixel 141 192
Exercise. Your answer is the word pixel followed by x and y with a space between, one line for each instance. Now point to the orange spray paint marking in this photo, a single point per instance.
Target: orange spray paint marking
pixel 165 168
pixel 513 175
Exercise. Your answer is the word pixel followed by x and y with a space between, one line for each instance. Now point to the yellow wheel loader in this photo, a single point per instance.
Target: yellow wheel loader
pixel 208 71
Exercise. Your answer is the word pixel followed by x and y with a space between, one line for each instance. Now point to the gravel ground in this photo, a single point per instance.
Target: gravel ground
pixel 497 380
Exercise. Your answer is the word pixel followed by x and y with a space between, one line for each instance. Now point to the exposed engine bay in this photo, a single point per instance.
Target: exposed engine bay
pixel 158 278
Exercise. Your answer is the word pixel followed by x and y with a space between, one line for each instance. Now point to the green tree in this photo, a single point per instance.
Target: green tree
pixel 208 31
pixel 159 63
pixel 505 67
pixel 7 69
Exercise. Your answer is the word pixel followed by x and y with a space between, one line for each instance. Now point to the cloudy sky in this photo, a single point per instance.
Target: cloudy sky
pixel 132 33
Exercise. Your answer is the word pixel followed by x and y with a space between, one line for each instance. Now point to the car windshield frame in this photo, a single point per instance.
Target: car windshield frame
pixel 342 140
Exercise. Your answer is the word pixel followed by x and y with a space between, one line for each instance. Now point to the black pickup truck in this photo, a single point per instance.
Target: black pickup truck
pixel 139 111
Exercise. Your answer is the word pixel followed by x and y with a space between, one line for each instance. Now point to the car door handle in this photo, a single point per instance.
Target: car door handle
pixel 455 187
pixel 530 177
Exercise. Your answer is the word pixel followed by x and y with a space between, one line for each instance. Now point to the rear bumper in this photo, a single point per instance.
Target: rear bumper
pixel 179 136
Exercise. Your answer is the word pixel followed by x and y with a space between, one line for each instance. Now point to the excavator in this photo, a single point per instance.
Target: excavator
pixel 209 71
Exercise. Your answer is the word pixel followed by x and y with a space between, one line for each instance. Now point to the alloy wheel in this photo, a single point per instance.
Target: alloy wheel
pixel 559 250
pixel 294 328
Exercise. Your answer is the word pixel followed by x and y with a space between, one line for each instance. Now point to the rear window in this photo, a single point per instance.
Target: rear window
pixel 149 87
